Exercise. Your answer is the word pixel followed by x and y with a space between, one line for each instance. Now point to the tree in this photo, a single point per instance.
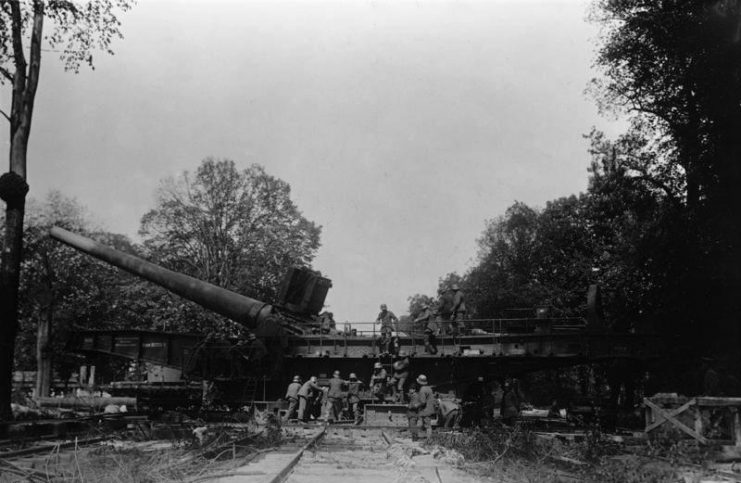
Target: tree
pixel 508 257
pixel 675 67
pixel 76 29
pixel 62 288
pixel 236 229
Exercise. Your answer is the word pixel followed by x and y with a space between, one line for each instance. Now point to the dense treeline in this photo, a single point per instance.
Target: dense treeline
pixel 660 224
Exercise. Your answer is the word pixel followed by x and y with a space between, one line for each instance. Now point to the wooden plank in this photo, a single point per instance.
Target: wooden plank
pixel 675 421
pixel 707 401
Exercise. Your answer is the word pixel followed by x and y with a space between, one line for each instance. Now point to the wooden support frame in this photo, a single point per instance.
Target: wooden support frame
pixel 663 415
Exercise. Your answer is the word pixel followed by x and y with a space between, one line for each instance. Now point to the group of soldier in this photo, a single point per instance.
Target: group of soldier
pixel 309 399
pixel 430 321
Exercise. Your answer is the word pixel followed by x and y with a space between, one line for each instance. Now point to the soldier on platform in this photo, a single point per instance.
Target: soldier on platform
pixel 335 397
pixel 306 396
pixel 388 322
pixel 400 376
pixel 327 325
pixel 292 397
pixel 459 310
pixel 378 382
pixel 430 327
pixel 353 396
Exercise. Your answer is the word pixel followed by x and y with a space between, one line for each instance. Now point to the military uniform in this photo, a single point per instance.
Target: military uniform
pixel 459 311
pixel 306 396
pixel 335 396
pixel 378 383
pixel 292 397
pixel 353 397
pixel 427 404
pixel 401 374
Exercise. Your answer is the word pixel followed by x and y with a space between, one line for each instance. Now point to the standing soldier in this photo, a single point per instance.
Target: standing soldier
pixel 427 404
pixel 306 396
pixel 378 382
pixel 459 310
pixel 413 410
pixel 511 401
pixel 388 322
pixel 401 374
pixel 292 397
pixel 335 396
pixel 430 329
pixel 353 396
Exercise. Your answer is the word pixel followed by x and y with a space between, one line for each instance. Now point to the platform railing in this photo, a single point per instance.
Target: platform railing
pixel 493 328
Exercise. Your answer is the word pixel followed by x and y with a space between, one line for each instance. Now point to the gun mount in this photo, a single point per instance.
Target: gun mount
pixel 253 314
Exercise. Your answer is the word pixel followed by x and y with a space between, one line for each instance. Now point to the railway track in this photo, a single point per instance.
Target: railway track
pixel 351 454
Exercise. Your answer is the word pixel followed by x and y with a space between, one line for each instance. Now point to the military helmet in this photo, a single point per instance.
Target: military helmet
pixel 377 365
pixel 336 374
pixel 422 380
pixel 455 287
pixel 353 376
pixel 296 379
pixel 383 307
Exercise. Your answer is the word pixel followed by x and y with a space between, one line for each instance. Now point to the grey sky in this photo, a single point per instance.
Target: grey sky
pixel 401 127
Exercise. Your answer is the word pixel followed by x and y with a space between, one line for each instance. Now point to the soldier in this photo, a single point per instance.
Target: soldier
pixel 256 350
pixel 449 413
pixel 401 374
pixel 306 396
pixel 511 401
pixel 327 324
pixel 378 382
pixel 459 310
pixel 473 399
pixel 335 396
pixel 292 397
pixel 430 329
pixel 427 404
pixel 237 358
pixel 413 410
pixel 353 396
pixel 388 322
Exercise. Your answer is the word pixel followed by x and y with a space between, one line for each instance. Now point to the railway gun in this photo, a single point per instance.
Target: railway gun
pixel 489 348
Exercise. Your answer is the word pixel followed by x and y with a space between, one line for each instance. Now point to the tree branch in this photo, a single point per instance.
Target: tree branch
pixel 5 115
pixel 6 73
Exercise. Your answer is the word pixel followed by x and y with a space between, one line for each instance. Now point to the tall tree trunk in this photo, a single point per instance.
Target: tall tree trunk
pixel 13 189
pixel 9 281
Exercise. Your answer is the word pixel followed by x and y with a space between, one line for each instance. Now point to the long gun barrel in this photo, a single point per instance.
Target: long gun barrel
pixel 249 312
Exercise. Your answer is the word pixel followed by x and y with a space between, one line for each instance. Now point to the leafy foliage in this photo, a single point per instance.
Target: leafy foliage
pixel 236 229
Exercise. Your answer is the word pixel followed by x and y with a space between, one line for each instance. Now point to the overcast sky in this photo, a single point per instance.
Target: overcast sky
pixel 401 127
